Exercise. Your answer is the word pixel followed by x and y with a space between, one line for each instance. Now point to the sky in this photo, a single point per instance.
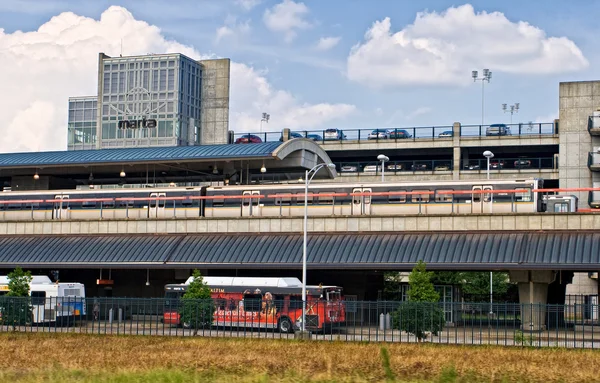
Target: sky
pixel 313 64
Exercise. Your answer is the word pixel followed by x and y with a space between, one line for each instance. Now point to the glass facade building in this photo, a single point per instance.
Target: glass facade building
pixel 168 88
pixel 82 123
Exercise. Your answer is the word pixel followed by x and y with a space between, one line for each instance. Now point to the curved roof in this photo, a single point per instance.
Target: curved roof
pixel 138 155
pixel 397 251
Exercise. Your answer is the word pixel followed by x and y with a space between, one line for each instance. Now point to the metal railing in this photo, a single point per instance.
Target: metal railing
pixel 593 161
pixel 509 130
pixel 444 132
pixel 392 167
pixel 573 325
pixel 513 163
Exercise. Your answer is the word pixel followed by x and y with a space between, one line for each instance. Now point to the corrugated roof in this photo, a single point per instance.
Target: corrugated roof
pixel 567 251
pixel 132 155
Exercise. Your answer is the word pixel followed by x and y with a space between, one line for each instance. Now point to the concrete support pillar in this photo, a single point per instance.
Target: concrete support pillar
pixel 456 160
pixel 533 296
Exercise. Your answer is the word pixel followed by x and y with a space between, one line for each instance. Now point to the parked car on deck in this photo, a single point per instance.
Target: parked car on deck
pixel 447 133
pixel 349 169
pixel 334 135
pixel 498 130
pixel 497 164
pixel 398 133
pixel 378 134
pixel 248 139
pixel 522 163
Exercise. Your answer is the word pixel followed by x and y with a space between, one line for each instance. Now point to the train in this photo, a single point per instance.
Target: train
pixel 285 200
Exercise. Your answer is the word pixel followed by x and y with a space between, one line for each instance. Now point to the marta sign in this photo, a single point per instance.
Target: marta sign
pixel 137 124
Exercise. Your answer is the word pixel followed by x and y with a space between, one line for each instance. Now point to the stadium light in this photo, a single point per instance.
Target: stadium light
pixel 511 109
pixel 487 76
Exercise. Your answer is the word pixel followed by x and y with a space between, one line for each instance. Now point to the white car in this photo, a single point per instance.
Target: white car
pixel 372 169
pixel 333 135
pixel 381 134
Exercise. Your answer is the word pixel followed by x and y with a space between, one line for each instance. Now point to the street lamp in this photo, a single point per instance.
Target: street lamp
pixel 383 158
pixel 487 154
pixel 487 76
pixel 307 180
pixel 513 109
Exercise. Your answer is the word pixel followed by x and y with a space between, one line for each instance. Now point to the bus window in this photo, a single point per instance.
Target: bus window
pixel 220 303
pixel 252 302
pixel 295 302
pixel 38 298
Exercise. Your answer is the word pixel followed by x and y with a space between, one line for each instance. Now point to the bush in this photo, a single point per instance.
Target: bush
pixel 419 318
pixel 15 306
pixel 197 307
pixel 421 313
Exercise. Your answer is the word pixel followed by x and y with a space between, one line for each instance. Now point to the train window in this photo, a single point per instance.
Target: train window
pixel 219 202
pixel 107 204
pixel 126 203
pixel 420 198
pixel 523 196
pixel 325 199
pixel 187 202
pixel 87 204
pixel 440 196
pixel 562 207
pixel 487 197
pixel 32 205
pixel 284 201
pixel 397 198
pixel 476 195
pixel 14 206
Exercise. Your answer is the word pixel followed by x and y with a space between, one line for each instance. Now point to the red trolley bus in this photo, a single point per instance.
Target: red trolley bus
pixel 271 303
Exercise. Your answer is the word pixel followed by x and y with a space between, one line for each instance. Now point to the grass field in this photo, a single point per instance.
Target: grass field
pixel 87 358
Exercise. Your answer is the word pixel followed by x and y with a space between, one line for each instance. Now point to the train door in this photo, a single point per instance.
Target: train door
pixel 251 203
pixel 361 204
pixel 61 207
pixel 481 202
pixel 156 207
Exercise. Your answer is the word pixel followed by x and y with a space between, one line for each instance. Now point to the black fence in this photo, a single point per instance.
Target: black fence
pixel 402 134
pixel 573 325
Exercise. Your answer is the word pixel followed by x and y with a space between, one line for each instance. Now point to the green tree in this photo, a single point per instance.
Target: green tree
pixel 421 313
pixel 197 307
pixel 15 306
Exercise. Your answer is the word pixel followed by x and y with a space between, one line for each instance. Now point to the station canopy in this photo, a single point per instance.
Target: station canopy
pixel 236 163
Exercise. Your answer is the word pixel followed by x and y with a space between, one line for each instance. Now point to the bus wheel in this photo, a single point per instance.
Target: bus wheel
pixel 285 325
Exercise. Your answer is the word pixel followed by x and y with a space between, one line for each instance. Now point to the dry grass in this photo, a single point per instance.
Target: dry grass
pixel 67 357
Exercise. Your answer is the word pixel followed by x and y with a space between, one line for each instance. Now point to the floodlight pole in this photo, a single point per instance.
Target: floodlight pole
pixel 487 76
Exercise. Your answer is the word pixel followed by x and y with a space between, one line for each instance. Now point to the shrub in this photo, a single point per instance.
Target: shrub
pixel 15 306
pixel 421 313
pixel 197 307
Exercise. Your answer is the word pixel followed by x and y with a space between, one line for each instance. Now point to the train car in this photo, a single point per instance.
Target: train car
pixel 390 198
pixel 101 203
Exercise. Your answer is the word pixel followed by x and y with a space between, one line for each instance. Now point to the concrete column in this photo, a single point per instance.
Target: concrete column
pixel 456 160
pixel 533 296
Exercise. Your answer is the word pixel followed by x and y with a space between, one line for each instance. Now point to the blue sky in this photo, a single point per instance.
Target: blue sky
pixel 375 83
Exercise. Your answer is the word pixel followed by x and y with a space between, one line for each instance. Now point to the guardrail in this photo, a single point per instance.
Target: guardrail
pixel 508 324
pixel 444 132
pixel 513 163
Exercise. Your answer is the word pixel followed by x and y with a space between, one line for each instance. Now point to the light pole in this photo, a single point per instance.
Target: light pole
pixel 307 180
pixel 513 109
pixel 265 118
pixel 383 158
pixel 488 154
pixel 487 76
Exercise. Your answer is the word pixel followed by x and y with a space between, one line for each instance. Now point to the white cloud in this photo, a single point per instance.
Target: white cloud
pixel 255 95
pixel 232 28
pixel 247 4
pixel 326 43
pixel 287 17
pixel 442 48
pixel 423 110
pixel 39 70
pixel 550 117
